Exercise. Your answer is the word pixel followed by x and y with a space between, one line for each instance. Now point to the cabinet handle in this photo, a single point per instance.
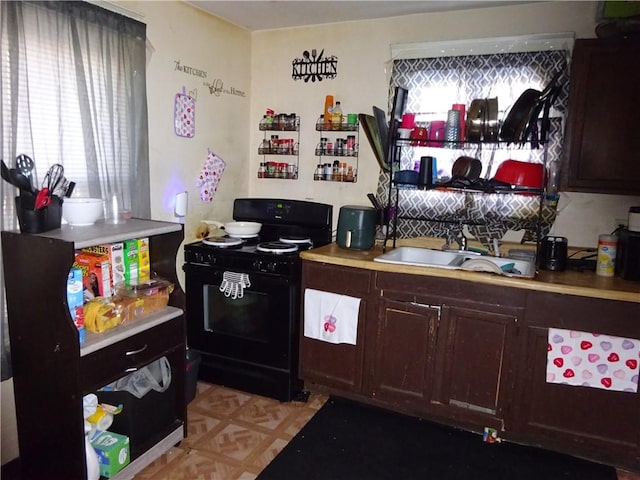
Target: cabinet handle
pixel 133 352
pixel 129 370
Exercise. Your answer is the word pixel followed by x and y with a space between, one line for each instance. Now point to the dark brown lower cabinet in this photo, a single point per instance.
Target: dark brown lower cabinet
pixel 474 355
pixel 403 352
pixel 475 363
pixel 335 365
pixel 446 346
pixel 591 422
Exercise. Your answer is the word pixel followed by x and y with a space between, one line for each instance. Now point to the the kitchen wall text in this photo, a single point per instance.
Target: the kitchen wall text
pixel 189 70
pixel 217 88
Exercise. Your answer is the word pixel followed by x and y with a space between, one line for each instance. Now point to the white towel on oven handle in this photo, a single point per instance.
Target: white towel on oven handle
pixel 233 284
pixel 331 317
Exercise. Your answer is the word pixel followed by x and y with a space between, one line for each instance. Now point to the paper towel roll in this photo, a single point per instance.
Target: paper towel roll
pixel 100 421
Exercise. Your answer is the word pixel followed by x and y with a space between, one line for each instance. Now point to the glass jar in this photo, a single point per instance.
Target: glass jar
pixel 318 174
pixel 262 170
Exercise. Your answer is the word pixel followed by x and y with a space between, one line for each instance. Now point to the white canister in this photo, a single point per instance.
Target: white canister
pixel 605 266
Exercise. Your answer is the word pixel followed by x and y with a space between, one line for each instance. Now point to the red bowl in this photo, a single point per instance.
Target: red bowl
pixel 522 174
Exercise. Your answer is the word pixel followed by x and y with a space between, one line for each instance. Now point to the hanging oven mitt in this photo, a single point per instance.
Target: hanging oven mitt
pixel 209 177
pixel 184 116
pixel 233 284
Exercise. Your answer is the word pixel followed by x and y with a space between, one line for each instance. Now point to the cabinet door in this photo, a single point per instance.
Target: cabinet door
pixel 591 422
pixel 474 360
pixel 338 366
pixel 404 341
pixel 603 117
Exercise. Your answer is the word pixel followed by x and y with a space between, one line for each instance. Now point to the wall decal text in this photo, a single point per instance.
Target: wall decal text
pixel 189 70
pixel 217 88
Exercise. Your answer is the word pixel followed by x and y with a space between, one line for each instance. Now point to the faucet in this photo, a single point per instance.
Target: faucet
pixel 455 236
pixel 462 241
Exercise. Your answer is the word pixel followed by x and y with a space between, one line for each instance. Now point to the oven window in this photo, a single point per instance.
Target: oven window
pixel 246 317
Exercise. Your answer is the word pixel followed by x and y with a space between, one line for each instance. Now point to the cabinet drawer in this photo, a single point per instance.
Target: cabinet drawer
pixel 115 361
pixel 330 278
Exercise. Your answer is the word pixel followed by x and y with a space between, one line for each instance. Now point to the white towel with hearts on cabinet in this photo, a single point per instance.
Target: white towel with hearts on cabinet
pixel 331 317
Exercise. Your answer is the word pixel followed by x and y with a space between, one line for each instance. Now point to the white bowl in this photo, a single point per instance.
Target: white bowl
pixel 82 211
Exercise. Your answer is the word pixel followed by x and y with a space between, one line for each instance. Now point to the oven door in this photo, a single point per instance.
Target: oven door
pixel 256 328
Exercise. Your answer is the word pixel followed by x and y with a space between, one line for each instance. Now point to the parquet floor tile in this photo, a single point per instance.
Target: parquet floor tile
pixel 234 435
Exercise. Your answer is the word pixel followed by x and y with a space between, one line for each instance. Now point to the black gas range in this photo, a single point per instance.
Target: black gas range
pixel 243 296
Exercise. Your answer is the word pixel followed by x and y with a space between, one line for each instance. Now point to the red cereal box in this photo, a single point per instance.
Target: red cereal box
pixel 115 252
pixel 96 274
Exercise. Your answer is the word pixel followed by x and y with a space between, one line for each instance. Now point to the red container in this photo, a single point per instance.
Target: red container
pixel 522 174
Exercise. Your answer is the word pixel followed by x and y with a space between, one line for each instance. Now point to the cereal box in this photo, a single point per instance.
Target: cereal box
pixel 130 261
pixel 144 262
pixel 115 252
pixel 96 274
pixel 75 301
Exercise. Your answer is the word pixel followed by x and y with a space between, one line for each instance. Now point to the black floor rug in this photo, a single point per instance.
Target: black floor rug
pixel 347 440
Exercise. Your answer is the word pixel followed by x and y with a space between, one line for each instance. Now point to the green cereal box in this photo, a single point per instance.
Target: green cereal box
pixel 113 452
pixel 131 262
pixel 144 262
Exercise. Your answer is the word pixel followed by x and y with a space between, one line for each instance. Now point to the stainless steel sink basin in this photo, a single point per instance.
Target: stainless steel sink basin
pixel 426 257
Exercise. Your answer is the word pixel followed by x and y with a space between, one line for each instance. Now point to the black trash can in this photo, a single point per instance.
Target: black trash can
pixel 191 380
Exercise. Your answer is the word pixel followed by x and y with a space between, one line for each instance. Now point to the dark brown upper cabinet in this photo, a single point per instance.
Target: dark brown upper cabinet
pixel 604 118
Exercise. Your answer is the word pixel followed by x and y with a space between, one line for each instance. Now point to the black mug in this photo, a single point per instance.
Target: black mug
pixel 425 174
pixel 554 253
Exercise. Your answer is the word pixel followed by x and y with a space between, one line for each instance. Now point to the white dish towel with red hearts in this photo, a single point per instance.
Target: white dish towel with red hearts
pixel 593 360
pixel 330 317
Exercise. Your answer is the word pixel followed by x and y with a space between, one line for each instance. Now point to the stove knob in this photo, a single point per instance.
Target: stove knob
pixel 211 260
pixel 198 257
pixel 272 266
pixel 257 265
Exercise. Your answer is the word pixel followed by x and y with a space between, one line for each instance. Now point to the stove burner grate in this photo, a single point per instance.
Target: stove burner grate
pixel 223 242
pixel 294 239
pixel 277 247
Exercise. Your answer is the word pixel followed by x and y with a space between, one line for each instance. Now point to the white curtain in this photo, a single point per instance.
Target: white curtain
pixel 73 91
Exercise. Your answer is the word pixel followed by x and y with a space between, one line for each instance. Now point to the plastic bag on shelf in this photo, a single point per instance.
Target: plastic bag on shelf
pixel 155 376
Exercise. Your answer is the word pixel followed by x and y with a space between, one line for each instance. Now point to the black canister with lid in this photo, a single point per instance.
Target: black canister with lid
pixel 554 253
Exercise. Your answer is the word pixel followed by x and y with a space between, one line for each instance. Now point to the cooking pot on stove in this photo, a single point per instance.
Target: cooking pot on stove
pixel 237 229
pixel 356 227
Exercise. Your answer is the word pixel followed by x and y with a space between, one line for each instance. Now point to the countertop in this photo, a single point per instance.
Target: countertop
pixel 585 283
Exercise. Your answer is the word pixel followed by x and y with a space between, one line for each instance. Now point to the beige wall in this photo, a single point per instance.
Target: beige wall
pixel 363 51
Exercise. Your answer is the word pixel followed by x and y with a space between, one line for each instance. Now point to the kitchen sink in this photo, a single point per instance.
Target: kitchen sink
pixel 426 257
pixel 422 257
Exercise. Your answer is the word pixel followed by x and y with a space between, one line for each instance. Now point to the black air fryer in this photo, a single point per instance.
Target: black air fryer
pixel 356 227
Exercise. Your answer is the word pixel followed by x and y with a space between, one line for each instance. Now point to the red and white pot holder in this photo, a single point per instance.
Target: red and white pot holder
pixel 209 177
pixel 184 115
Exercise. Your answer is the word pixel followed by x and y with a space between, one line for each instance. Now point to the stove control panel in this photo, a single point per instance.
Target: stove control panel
pixel 243 262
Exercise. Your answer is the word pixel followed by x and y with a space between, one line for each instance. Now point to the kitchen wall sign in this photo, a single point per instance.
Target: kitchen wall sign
pixel 593 360
pixel 313 66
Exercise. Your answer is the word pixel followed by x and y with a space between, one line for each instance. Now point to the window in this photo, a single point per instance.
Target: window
pixel 73 92
pixel 439 75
